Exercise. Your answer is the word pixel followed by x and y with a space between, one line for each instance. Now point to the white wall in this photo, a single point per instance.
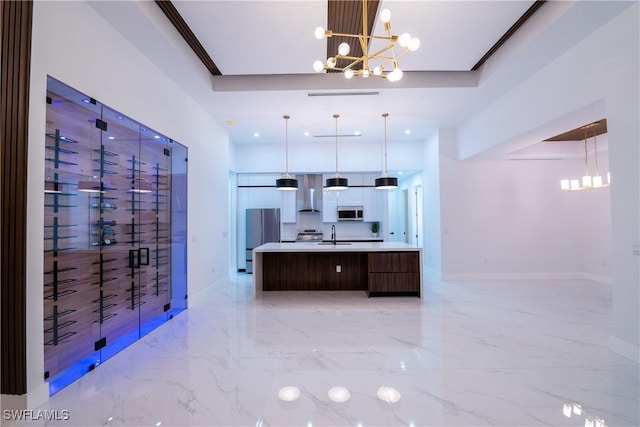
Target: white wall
pixel 432 249
pixel 510 219
pixel 600 70
pixel 353 156
pixel 111 70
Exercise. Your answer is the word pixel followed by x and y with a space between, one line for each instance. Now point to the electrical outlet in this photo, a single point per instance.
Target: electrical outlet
pixel 338 269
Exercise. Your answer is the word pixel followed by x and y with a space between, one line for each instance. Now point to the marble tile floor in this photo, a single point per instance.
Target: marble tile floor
pixel 467 354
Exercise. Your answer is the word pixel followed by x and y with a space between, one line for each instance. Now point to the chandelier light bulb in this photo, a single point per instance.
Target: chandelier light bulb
pixel 395 75
pixel 377 71
pixel 414 44
pixel 331 62
pixel 577 409
pixel 318 66
pixel 564 184
pixel 586 181
pixel 385 15
pixel 365 73
pixel 404 39
pixel 575 184
pixel 344 49
pixel 319 33
pixel 348 73
pixel 597 181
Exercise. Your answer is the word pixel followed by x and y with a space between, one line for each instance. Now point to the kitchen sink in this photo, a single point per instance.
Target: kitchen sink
pixel 336 243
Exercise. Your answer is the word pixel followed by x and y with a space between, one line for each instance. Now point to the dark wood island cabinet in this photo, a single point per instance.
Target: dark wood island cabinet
pixel 393 273
pixel 378 268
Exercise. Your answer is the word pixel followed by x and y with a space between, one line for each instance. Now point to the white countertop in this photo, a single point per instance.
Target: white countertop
pixel 352 247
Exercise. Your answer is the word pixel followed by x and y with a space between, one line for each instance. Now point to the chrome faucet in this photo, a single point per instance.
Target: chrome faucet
pixel 333 234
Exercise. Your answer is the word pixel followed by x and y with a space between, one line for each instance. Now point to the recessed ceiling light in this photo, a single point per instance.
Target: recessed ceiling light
pixel 231 122
pixel 256 134
pixel 111 137
pixel 407 132
pixel 156 136
pixel 120 117
pixel 357 133
pixel 306 134
pixel 86 100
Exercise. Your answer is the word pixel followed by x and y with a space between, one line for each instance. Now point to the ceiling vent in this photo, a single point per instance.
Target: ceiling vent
pixel 342 93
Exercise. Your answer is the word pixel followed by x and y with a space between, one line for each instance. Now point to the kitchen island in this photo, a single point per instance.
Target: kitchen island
pixel 377 268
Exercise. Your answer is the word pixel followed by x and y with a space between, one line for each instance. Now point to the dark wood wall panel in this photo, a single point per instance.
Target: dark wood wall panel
pixel 14 111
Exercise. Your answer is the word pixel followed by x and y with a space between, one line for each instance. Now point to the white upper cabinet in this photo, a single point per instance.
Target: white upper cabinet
pixel 288 210
pixel 373 204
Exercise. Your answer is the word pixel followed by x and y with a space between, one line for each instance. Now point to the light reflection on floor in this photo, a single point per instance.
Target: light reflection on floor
pixel 467 354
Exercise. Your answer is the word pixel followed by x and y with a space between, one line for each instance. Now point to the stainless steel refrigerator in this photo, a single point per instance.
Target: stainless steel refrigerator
pixel 263 226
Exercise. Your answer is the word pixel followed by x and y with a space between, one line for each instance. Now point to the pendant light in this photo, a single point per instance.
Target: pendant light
pixel 386 182
pixel 336 182
pixel 587 182
pixel 286 182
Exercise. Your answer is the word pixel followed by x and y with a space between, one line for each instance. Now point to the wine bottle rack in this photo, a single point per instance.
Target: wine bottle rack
pixel 107 244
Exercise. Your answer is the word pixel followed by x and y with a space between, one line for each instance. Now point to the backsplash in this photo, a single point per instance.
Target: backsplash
pixel 344 229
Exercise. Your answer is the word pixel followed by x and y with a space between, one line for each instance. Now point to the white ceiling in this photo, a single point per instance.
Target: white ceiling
pixel 270 47
pixel 265 50
pixel 276 37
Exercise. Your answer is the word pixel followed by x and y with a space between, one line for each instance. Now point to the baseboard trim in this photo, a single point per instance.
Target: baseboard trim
pixel 527 276
pixel 36 397
pixel 431 274
pixel 624 349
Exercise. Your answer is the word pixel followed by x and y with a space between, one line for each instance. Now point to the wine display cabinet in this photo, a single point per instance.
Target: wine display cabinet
pixel 107 255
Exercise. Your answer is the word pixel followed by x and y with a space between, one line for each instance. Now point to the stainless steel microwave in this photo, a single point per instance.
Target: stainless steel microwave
pixel 350 213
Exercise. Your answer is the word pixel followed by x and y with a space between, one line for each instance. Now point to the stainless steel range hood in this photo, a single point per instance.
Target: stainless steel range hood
pixel 309 194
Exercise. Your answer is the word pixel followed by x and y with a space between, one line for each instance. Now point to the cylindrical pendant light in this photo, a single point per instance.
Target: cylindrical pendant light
pixel 386 182
pixel 336 182
pixel 286 182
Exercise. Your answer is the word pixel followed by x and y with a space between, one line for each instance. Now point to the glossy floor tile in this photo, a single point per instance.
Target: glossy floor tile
pixel 467 354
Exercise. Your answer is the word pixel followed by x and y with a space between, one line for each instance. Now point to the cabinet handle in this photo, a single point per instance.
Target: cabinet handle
pixel 132 254
pixel 146 256
pixel 136 259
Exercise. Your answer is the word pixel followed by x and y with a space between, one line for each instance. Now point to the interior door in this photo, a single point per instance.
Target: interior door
pixel 154 216
pixel 398 216
pixel 121 256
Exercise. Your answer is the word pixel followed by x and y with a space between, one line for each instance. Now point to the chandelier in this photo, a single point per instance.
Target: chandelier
pixel 588 182
pixel 381 63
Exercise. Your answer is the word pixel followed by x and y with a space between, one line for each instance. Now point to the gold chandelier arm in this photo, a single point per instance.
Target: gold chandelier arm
pixel 384 49
pixel 586 163
pixel 390 38
pixel 595 150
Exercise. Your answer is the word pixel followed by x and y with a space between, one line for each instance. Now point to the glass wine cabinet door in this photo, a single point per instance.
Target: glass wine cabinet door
pixel 107 259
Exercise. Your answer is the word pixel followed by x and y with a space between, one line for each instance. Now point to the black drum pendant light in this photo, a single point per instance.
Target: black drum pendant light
pixel 386 182
pixel 336 182
pixel 286 182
